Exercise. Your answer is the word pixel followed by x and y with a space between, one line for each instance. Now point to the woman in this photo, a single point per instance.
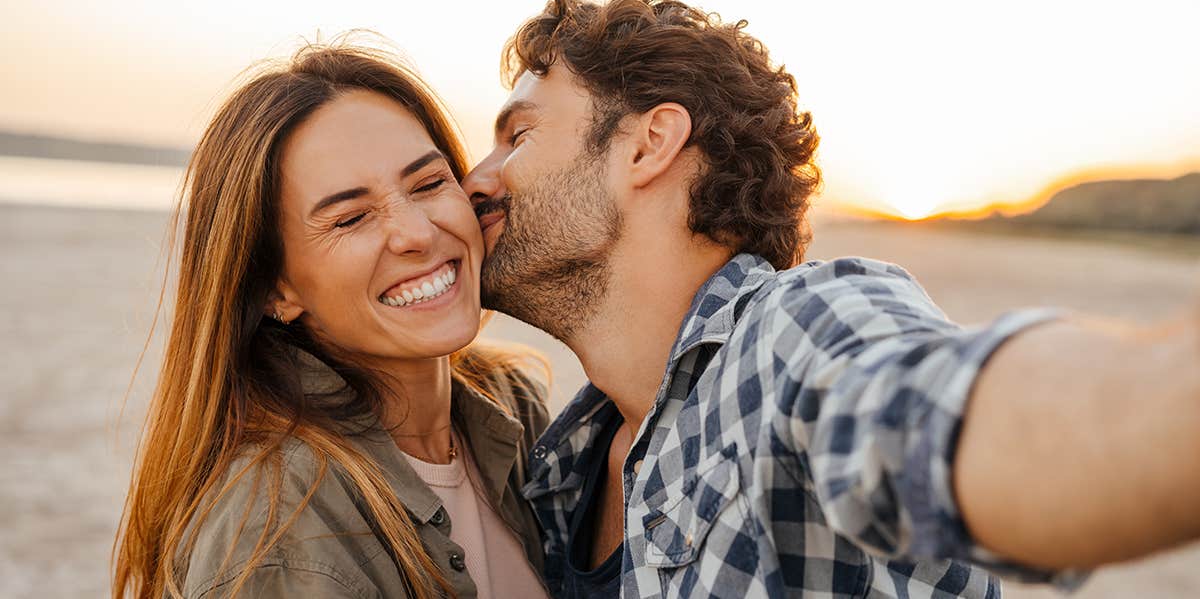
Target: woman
pixel 321 425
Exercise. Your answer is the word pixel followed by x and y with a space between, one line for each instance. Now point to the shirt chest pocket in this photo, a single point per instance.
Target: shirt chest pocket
pixel 676 532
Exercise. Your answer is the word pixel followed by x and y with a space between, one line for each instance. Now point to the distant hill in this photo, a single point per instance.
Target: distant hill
pixel 61 148
pixel 1143 205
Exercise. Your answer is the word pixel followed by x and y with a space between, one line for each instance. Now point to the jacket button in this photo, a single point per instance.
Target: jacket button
pixel 456 562
pixel 539 452
pixel 439 517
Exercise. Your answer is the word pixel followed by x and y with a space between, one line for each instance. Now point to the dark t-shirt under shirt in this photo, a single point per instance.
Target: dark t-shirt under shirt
pixel 605 581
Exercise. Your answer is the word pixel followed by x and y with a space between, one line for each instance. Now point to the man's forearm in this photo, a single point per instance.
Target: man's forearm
pixel 1081 445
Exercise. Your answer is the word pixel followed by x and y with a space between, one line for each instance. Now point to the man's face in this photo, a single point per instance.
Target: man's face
pixel 550 221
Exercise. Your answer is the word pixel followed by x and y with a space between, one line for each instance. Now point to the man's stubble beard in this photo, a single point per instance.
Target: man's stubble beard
pixel 551 265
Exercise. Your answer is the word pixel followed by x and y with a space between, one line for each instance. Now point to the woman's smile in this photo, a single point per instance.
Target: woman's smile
pixel 428 291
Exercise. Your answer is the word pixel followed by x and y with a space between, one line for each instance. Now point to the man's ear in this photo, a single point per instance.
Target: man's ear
pixel 283 303
pixel 661 134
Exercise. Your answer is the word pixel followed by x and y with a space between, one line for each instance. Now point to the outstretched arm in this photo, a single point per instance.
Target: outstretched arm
pixel 1080 444
pixel 1034 446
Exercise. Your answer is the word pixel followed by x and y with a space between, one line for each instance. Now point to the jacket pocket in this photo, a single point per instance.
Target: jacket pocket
pixel 677 530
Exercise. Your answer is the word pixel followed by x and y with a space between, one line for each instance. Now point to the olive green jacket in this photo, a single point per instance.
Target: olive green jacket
pixel 331 549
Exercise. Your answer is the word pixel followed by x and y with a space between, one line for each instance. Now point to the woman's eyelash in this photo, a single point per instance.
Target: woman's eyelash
pixel 430 187
pixel 350 221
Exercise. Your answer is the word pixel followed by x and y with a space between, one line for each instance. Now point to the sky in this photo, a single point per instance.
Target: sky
pixel 923 106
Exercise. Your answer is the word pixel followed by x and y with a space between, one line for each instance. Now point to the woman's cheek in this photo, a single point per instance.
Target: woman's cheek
pixel 458 218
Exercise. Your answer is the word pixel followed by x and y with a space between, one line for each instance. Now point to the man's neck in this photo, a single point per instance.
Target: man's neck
pixel 624 349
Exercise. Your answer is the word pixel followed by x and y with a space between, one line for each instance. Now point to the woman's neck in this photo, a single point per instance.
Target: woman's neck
pixel 416 407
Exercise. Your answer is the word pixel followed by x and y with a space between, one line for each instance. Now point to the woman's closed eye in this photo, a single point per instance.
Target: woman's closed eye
pixel 430 186
pixel 349 222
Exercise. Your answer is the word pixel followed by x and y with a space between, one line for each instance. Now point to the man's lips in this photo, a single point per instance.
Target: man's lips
pixel 490 219
pixel 492 210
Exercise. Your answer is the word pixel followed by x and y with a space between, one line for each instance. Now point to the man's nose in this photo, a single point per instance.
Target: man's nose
pixel 483 182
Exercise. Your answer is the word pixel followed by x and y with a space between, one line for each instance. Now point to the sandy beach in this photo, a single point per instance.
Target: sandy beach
pixel 79 292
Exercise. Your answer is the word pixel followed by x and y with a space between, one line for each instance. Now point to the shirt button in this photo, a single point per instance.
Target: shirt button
pixel 637 467
pixel 456 562
pixel 688 540
pixel 439 517
pixel 539 452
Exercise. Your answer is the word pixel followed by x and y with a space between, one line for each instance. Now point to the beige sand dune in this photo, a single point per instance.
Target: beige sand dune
pixel 77 291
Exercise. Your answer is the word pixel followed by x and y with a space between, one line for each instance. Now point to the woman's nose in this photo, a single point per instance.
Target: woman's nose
pixel 410 229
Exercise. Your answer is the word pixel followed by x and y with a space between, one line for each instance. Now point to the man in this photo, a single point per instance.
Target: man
pixel 821 428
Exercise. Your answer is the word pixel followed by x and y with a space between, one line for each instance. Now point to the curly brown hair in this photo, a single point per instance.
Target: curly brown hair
pixel 758 147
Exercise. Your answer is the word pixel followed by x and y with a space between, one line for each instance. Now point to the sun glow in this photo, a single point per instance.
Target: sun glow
pixel 923 107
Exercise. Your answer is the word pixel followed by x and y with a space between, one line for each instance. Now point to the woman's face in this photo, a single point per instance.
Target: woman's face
pixel 381 246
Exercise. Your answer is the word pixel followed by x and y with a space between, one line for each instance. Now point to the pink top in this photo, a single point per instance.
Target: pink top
pixel 494 556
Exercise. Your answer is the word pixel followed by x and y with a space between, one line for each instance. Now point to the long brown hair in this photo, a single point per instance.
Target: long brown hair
pixel 229 377
pixel 759 148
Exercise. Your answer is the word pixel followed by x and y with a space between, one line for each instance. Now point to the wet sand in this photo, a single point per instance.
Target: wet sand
pixel 79 289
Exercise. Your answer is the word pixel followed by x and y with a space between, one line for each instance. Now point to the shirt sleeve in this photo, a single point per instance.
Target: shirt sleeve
pixel 872 381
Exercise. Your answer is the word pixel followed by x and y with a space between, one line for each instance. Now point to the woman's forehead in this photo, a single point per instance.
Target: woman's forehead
pixel 356 139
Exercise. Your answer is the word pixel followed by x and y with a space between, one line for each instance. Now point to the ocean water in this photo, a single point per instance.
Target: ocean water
pixel 88 184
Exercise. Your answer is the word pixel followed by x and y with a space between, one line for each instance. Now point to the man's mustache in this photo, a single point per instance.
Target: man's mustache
pixel 493 205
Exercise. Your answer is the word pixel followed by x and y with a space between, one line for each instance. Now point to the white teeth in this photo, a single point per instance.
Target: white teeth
pixel 426 291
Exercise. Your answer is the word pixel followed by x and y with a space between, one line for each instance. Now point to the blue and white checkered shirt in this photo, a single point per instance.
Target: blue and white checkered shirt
pixel 800 443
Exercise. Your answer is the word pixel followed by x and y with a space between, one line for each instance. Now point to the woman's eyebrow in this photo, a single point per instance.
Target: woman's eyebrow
pixel 417 164
pixel 357 192
pixel 340 196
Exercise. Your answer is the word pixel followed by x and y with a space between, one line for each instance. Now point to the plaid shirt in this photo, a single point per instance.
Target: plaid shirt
pixel 800 443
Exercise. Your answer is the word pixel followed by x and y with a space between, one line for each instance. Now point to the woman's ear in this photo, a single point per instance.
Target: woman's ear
pixel 662 133
pixel 283 303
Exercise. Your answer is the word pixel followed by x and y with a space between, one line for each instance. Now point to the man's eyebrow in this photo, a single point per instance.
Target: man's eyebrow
pixel 358 192
pixel 511 109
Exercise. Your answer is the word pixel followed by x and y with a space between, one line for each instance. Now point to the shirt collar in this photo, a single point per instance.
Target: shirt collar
pixel 718 304
pixel 710 319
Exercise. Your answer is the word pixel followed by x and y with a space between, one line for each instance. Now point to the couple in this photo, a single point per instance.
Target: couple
pixel 326 425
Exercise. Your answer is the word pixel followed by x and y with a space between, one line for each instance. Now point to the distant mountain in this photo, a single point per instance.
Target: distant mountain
pixel 61 148
pixel 1144 205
